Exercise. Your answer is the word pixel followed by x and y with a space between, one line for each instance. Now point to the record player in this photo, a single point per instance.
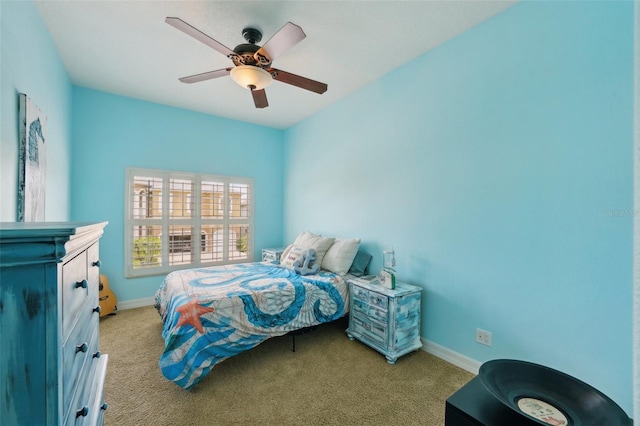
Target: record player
pixel 514 393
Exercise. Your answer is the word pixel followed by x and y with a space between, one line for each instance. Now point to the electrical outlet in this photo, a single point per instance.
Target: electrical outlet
pixel 483 337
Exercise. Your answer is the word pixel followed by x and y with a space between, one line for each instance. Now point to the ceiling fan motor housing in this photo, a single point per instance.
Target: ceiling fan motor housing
pixel 252 35
pixel 244 54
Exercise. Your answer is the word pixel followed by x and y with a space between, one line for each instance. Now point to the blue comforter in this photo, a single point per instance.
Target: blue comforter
pixel 211 314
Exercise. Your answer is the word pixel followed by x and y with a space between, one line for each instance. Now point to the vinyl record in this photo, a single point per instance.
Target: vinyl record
pixel 548 396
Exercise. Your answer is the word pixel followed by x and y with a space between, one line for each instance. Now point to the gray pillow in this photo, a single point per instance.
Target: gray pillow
pixel 360 263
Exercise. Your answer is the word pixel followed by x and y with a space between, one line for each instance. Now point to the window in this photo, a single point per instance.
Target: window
pixel 180 220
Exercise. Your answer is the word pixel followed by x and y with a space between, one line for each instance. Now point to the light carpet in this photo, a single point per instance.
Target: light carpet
pixel 328 380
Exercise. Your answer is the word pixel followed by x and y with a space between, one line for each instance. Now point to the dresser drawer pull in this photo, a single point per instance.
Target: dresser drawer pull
pixel 96 263
pixel 82 348
pixel 83 284
pixel 82 412
pixel 97 309
pixel 97 354
pixel 104 406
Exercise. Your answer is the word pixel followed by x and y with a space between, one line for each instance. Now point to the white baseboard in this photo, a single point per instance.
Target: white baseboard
pixel 136 303
pixel 452 357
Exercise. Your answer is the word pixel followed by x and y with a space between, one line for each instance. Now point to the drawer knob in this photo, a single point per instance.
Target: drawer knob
pixel 82 412
pixel 104 406
pixel 97 355
pixel 83 284
pixel 97 309
pixel 82 348
pixel 96 263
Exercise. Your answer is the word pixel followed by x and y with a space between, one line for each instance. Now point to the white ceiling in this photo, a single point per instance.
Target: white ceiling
pixel 126 48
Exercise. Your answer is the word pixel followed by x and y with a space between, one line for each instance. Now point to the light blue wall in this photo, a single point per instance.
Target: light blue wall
pixel 499 166
pixel 111 133
pixel 30 64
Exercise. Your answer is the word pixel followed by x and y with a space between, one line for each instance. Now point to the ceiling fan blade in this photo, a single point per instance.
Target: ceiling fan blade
pixel 198 35
pixel 259 98
pixel 206 76
pixel 286 37
pixel 298 81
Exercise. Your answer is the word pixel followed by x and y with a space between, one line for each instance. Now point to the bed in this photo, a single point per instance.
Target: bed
pixel 211 314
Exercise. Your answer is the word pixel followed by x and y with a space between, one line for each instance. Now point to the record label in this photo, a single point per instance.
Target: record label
pixel 542 411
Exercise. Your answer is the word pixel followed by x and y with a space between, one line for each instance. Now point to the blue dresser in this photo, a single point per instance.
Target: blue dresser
pixel 387 320
pixel 52 370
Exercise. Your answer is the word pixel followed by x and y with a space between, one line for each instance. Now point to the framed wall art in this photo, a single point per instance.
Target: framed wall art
pixel 32 162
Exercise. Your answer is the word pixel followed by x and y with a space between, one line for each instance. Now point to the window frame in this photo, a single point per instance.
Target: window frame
pixel 196 221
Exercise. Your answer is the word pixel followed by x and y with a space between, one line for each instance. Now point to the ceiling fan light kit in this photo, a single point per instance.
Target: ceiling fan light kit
pixel 251 77
pixel 253 69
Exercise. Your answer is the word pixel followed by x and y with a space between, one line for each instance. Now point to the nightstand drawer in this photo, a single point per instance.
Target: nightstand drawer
pixel 269 256
pixel 370 297
pixel 272 255
pixel 359 293
pixel 379 300
pixel 369 310
pixel 370 329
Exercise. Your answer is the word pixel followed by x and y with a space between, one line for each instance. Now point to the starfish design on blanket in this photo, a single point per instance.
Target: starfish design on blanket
pixel 190 314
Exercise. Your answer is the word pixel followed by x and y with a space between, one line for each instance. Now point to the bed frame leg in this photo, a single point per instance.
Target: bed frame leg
pixel 301 331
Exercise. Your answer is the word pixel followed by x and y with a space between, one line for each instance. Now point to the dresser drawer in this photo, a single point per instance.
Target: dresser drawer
pixel 75 290
pixel 77 353
pixel 90 401
pixel 93 267
pixel 78 394
pixel 371 329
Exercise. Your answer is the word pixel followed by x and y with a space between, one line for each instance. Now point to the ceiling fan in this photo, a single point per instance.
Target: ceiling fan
pixel 253 68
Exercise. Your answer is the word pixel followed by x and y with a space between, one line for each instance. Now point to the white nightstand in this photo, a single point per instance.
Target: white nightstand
pixel 272 255
pixel 387 320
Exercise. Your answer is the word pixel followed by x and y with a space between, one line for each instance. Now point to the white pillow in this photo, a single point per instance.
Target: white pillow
pixel 300 241
pixel 309 240
pixel 321 245
pixel 340 255
pixel 304 238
